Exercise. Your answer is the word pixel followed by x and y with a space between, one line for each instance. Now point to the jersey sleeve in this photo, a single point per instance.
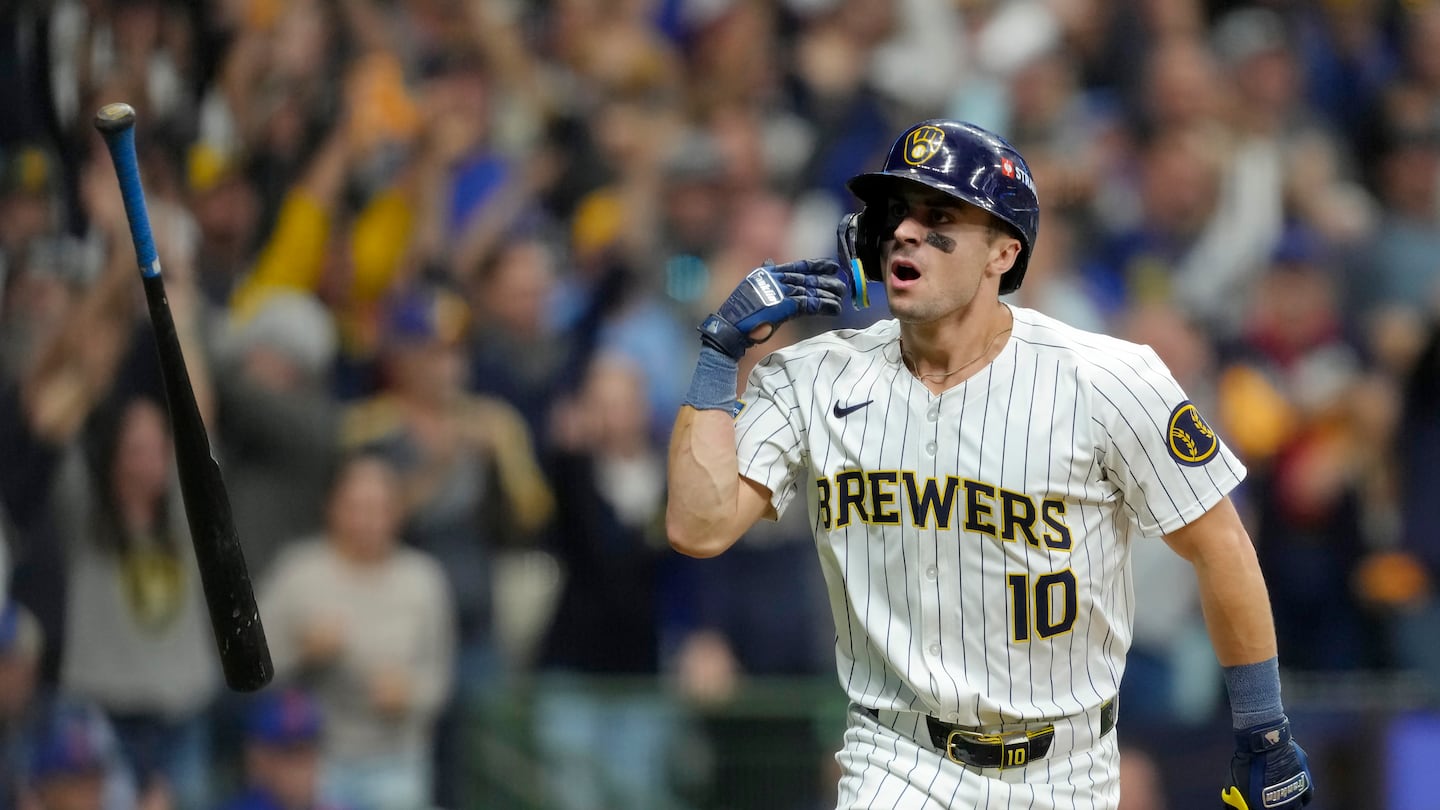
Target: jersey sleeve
pixel 1169 464
pixel 767 432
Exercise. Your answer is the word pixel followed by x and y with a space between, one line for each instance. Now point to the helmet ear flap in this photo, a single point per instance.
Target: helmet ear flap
pixel 847 238
pixel 870 232
pixel 859 236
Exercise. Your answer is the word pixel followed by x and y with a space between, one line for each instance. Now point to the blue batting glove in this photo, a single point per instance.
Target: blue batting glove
pixel 770 296
pixel 1269 770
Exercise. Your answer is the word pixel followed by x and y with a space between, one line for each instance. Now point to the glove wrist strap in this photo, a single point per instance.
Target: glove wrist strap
pixel 1265 738
pixel 722 336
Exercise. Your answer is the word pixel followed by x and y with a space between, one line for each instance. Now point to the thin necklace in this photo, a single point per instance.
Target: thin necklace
pixel 938 376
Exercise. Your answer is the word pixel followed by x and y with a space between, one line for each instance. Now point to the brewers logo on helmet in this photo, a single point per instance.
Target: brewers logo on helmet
pixel 922 143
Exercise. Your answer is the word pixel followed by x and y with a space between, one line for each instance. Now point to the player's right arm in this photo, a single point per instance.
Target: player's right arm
pixel 710 505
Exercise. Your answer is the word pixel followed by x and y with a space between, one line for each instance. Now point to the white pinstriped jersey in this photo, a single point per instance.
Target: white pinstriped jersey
pixel 974 542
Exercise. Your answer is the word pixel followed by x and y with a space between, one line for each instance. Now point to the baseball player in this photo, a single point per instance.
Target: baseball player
pixel 975 474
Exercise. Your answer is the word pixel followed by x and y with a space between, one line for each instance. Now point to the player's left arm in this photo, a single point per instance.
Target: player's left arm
pixel 1175 474
pixel 1269 769
pixel 1231 585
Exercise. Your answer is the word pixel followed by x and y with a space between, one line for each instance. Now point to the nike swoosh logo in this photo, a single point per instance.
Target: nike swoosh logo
pixel 841 413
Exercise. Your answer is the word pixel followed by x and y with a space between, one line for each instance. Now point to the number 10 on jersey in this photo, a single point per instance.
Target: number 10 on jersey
pixel 1045 607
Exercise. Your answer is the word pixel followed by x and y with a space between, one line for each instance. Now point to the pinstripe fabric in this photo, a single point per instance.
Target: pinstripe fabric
pixel 975 543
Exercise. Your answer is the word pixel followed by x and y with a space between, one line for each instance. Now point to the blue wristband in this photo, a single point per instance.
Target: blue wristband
pixel 1254 694
pixel 713 386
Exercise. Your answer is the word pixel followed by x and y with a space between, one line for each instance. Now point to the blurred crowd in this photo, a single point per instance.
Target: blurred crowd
pixel 436 267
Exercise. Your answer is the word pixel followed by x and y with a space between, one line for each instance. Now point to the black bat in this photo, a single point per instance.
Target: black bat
pixel 234 617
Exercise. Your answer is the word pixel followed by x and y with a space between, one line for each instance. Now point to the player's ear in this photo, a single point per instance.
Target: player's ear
pixel 1004 251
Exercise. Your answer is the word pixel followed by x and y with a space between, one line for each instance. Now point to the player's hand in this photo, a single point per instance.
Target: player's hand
pixel 1269 771
pixel 770 296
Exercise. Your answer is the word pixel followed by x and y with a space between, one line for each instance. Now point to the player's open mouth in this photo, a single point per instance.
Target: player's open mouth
pixel 904 271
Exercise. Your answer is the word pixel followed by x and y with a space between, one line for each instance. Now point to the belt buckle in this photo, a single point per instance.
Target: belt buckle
pixel 1013 748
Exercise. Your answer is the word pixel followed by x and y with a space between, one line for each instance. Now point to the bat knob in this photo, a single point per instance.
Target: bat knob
pixel 115 117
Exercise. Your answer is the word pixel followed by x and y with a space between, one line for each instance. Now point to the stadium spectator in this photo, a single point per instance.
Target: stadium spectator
pixel 1316 446
pixel 283 728
pixel 517 350
pixel 138 640
pixel 367 626
pixel 278 426
pixel 73 762
pixel 606 747
pixel 470 481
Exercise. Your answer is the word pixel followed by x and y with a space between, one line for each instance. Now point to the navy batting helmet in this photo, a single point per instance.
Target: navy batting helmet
pixel 962 161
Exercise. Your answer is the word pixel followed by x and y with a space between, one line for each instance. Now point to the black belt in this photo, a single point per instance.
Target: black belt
pixel 1008 750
